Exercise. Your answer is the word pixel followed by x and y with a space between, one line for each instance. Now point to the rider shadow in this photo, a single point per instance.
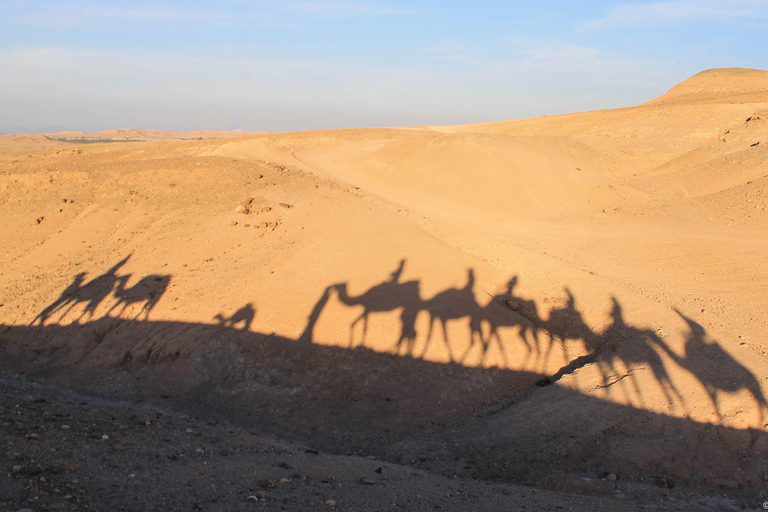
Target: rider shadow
pixel 454 304
pixel 387 296
pixel 715 369
pixel 507 311
pixel 629 360
pixel 392 295
pixel 106 287
pixel 146 293
pixel 91 294
pixel 626 346
pixel 567 327
pixel 617 352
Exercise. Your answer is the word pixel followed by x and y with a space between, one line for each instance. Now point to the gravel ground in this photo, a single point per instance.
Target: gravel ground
pixel 67 451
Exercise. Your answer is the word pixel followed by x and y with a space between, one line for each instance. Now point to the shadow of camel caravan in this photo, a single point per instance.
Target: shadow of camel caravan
pixel 493 421
pixel 107 288
pixel 616 352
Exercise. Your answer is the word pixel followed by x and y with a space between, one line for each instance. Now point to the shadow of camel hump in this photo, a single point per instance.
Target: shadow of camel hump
pixel 567 324
pixel 454 304
pixel 387 296
pixel 145 293
pixel 506 311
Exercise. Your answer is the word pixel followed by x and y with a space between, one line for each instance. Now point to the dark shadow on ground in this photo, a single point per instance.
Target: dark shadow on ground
pixel 491 423
pixel 482 423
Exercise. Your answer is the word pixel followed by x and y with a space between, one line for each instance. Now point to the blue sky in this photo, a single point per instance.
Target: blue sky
pixel 295 65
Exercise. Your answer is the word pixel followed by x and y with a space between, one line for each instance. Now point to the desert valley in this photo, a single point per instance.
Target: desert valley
pixel 557 313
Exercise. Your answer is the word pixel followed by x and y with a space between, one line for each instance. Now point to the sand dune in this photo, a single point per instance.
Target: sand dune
pixel 615 258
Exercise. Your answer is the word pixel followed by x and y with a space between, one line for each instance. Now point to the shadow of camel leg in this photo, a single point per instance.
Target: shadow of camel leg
pixel 447 341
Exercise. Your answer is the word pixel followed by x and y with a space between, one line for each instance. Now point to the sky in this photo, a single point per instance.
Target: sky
pixel 298 65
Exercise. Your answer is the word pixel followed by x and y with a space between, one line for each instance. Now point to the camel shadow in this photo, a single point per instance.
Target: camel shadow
pixel 715 369
pixel 507 311
pixel 507 323
pixel 104 288
pixel 91 294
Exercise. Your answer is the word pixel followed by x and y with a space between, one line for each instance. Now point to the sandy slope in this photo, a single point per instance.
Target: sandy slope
pixel 618 254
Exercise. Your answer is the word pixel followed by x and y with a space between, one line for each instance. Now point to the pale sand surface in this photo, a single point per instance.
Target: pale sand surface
pixel 416 284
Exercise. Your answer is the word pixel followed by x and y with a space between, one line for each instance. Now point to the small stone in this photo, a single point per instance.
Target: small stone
pixel 242 209
pixel 285 480
pixel 25 510
pixel 16 469
pixel 32 435
pixel 378 470
pixel 252 498
pixel 611 477
pixel 367 481
pixel 284 205
pixel 65 427
pixel 264 225
pixel 331 503
pixel 513 305
pixel 261 495
pixel 199 450
pixel 232 224
pixel 266 209
pixel 199 506
pixel 267 484
pixel 105 437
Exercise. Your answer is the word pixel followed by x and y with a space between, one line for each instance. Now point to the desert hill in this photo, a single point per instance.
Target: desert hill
pixel 735 85
pixel 539 301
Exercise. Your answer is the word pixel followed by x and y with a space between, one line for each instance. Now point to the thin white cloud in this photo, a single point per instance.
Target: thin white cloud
pixel 341 9
pixel 681 11
pixel 87 15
